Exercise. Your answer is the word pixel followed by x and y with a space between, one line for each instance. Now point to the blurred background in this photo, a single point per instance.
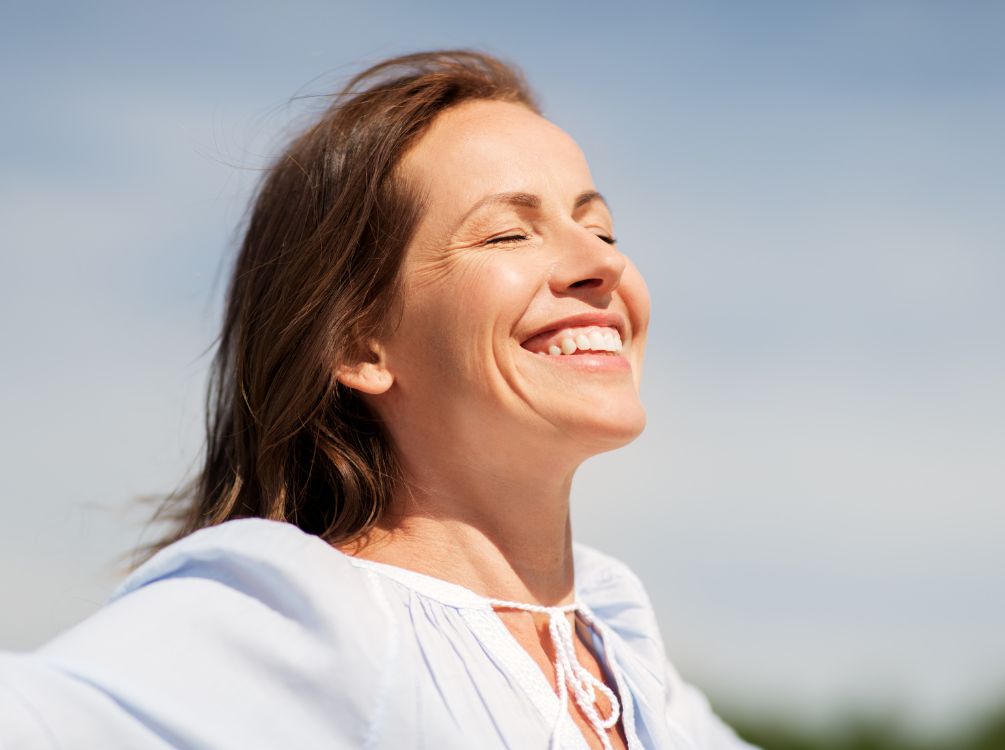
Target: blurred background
pixel 815 194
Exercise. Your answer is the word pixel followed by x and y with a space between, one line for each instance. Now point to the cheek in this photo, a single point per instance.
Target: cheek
pixel 458 318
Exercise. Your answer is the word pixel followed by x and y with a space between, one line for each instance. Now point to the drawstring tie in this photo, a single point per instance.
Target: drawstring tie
pixel 568 670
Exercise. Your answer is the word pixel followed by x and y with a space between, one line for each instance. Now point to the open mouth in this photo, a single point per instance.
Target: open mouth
pixel 576 340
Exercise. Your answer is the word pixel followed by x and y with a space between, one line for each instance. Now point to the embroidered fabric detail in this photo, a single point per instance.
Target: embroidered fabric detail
pixel 570 674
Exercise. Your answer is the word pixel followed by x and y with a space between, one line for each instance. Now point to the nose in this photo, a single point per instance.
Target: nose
pixel 587 266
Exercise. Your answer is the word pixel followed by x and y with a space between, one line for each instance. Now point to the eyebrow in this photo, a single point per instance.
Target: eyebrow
pixel 527 200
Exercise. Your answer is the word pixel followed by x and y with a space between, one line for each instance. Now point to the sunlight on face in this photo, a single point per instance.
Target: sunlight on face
pixel 523 326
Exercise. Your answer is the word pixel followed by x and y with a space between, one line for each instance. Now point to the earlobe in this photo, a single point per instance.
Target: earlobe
pixel 369 376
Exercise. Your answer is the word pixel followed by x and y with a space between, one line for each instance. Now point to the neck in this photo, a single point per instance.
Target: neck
pixel 502 535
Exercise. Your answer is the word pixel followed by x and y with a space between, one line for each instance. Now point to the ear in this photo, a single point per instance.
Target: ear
pixel 369 374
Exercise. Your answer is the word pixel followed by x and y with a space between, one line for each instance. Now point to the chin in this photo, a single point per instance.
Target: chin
pixel 608 432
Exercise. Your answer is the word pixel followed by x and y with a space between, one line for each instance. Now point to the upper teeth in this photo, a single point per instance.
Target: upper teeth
pixel 605 340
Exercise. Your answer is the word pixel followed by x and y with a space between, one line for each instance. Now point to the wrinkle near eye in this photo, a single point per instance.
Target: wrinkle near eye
pixel 435 266
pixel 482 227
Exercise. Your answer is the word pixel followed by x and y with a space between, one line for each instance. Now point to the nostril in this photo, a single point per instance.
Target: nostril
pixel 586 284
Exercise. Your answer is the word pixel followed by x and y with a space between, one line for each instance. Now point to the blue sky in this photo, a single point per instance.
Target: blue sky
pixel 813 191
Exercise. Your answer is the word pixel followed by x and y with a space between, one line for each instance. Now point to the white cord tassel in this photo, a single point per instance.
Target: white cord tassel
pixel 568 670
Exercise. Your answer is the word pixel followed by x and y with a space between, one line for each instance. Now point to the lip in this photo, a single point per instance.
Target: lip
pixel 587 361
pixel 606 319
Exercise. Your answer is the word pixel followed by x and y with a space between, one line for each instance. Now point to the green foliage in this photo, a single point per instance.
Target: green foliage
pixel 868 733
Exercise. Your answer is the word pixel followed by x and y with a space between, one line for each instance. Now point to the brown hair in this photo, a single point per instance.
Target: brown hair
pixel 316 274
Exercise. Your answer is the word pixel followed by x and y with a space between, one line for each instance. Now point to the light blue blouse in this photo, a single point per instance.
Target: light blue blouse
pixel 255 635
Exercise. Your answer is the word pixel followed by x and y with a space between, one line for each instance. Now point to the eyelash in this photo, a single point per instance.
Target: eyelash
pixel 519 237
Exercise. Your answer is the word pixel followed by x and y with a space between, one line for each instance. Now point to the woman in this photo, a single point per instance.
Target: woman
pixel 428 328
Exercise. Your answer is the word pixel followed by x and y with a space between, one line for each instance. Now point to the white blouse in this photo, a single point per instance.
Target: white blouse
pixel 256 635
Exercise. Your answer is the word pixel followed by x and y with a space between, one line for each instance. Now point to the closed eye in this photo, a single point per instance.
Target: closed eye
pixel 507 238
pixel 519 237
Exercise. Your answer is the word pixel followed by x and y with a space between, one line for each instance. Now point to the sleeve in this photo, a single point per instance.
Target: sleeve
pixel 45 709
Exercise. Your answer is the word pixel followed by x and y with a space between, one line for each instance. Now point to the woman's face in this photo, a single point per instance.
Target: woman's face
pixel 522 326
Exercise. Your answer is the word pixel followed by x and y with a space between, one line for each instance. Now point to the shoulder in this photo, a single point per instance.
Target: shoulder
pixel 267 548
pixel 234 616
pixel 256 568
pixel 271 566
pixel 617 596
pixel 241 543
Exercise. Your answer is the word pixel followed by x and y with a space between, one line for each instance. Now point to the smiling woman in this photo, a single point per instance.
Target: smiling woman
pixel 429 327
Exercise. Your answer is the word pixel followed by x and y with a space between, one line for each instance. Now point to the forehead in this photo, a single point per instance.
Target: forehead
pixel 484 147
